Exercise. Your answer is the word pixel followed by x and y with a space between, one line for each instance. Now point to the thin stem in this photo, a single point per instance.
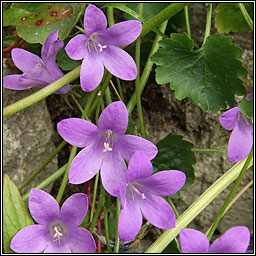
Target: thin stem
pixel 117 241
pixel 80 29
pixel 162 16
pixel 137 82
pixel 94 194
pixel 65 178
pixel 170 202
pixel 110 15
pixel 209 150
pixel 57 174
pixel 99 207
pixel 230 195
pixel 187 21
pixel 116 92
pixel 79 107
pixel 205 199
pixel 108 96
pixel 208 22
pixel 36 172
pixel 106 230
pixel 147 70
pixel 246 15
pixel 120 89
pixel 42 93
pixel 233 201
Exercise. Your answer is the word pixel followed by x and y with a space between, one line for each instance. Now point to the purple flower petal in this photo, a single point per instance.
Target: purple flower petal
pixel 113 172
pixel 157 211
pixel 130 220
pixel 164 183
pixel 51 47
pixel 77 132
pixel 119 63
pixel 131 144
pixel 94 20
pixel 234 240
pixel 122 33
pixel 24 60
pixel 241 140
pixel 76 47
pixel 249 96
pixel 13 82
pixel 43 207
pixel 31 239
pixel 92 71
pixel 193 241
pixel 86 164
pixel 74 209
pixel 228 120
pixel 139 167
pixel 114 118
pixel 81 241
pixel 57 248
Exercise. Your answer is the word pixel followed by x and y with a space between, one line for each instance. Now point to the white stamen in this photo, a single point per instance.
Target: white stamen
pixel 143 196
pixel 101 47
pixel 107 147
pixel 57 234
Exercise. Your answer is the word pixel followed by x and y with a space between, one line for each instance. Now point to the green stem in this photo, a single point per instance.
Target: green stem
pixel 94 194
pixel 99 207
pixel 36 172
pixel 117 241
pixel 208 22
pixel 106 229
pixel 187 21
pixel 108 96
pixel 246 15
pixel 137 82
pixel 147 70
pixel 209 150
pixel 205 199
pixel 57 174
pixel 80 29
pixel 230 195
pixel 79 107
pixel 170 202
pixel 162 16
pixel 120 89
pixel 110 15
pixel 43 93
pixel 65 178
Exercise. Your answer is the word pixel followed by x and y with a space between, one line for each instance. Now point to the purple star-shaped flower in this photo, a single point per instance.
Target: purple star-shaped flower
pixel 241 139
pixel 234 240
pixel 141 195
pixel 105 147
pixel 37 72
pixel 57 230
pixel 99 47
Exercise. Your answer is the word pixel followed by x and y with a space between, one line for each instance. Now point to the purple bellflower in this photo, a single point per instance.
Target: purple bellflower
pixel 141 195
pixel 57 230
pixel 99 47
pixel 37 72
pixel 105 147
pixel 241 139
pixel 234 240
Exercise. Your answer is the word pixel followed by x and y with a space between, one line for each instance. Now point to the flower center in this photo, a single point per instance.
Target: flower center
pixel 58 232
pixel 93 44
pixel 133 189
pixel 109 138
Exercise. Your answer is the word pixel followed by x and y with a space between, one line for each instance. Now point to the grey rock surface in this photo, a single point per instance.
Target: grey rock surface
pixel 26 138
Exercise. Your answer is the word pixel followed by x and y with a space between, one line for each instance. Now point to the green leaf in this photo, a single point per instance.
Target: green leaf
pixel 7 40
pixel 130 127
pixel 172 247
pixel 15 213
pixel 246 107
pixel 174 153
pixel 40 33
pixel 46 15
pixel 230 19
pixel 209 76
pixel 64 62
